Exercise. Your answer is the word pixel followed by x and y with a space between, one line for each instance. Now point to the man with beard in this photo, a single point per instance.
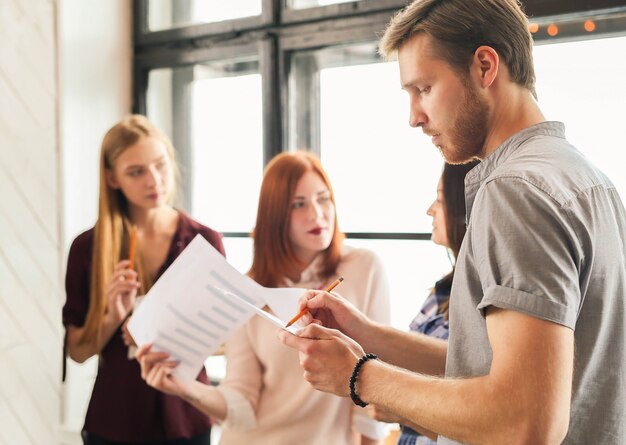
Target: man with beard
pixel 537 342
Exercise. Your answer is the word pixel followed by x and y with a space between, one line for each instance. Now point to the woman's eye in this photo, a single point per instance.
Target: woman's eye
pixel 297 205
pixel 135 172
pixel 323 199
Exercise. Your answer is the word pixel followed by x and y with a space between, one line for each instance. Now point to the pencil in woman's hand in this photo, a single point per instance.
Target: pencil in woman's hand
pixel 333 285
pixel 132 247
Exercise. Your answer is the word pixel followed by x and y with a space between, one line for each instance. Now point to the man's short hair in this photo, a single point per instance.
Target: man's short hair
pixel 459 27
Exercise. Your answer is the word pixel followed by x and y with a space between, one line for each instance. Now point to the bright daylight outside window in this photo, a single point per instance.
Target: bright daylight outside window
pixel 228 158
pixel 385 175
pixel 582 85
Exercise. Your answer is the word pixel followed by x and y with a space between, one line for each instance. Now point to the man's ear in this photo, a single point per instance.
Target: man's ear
pixel 111 179
pixel 485 65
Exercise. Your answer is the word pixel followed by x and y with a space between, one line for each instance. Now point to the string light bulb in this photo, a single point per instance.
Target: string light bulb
pixel 553 30
pixel 589 25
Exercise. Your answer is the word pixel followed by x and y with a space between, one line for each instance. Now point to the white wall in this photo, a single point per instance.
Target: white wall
pixel 95 40
pixel 65 70
pixel 30 231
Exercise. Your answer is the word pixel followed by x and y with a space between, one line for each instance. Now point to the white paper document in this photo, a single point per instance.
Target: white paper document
pixel 259 311
pixel 199 302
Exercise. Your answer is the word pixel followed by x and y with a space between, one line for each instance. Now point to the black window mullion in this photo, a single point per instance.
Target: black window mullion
pixel 182 130
pixel 272 109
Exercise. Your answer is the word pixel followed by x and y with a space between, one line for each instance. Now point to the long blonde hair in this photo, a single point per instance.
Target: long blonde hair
pixel 113 227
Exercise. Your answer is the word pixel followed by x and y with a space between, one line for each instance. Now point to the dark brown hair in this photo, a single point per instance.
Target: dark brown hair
pixel 453 184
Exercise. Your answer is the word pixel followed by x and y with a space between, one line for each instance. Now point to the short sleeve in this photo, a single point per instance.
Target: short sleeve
pixel 526 251
pixel 77 280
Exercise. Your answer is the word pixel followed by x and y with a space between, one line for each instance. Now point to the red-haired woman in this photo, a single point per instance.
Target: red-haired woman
pixel 297 243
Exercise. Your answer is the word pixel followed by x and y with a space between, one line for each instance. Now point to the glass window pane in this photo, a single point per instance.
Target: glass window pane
pixel 239 253
pixel 302 4
pixel 204 108
pixel 166 14
pixel 413 268
pixel 227 151
pixel 582 85
pixel 159 99
pixel 384 172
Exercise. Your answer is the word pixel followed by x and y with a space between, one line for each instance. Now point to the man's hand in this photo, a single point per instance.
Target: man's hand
pixel 335 312
pixel 327 356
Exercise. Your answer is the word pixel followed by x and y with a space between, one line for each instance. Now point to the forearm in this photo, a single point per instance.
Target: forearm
pixel 482 410
pixel 420 429
pixel 452 408
pixel 408 350
pixel 207 399
pixel 79 350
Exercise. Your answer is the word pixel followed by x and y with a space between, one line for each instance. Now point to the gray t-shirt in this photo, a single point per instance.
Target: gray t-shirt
pixel 546 236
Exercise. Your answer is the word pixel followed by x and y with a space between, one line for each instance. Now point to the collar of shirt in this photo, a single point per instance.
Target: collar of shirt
pixel 310 277
pixel 479 174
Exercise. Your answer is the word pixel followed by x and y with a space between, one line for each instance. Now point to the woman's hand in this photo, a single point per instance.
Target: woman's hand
pixel 157 370
pixel 126 337
pixel 121 291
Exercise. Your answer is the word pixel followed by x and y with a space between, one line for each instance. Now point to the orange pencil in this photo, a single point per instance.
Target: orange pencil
pixel 333 285
pixel 131 248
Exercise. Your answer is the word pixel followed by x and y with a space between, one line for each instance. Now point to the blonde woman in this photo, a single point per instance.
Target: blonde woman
pixel 297 243
pixel 136 188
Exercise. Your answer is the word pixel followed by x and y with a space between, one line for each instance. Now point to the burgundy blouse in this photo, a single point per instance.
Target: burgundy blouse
pixel 122 406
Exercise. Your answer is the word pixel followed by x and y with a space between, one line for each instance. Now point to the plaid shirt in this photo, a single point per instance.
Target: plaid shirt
pixel 429 322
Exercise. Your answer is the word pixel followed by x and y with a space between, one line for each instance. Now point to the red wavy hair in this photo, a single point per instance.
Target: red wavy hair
pixel 274 257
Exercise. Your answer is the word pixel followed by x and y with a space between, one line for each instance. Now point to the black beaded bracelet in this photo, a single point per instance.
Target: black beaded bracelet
pixel 355 373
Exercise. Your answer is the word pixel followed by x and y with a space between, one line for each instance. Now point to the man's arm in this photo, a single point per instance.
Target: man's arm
pixel 409 350
pixel 525 398
pixel 384 416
